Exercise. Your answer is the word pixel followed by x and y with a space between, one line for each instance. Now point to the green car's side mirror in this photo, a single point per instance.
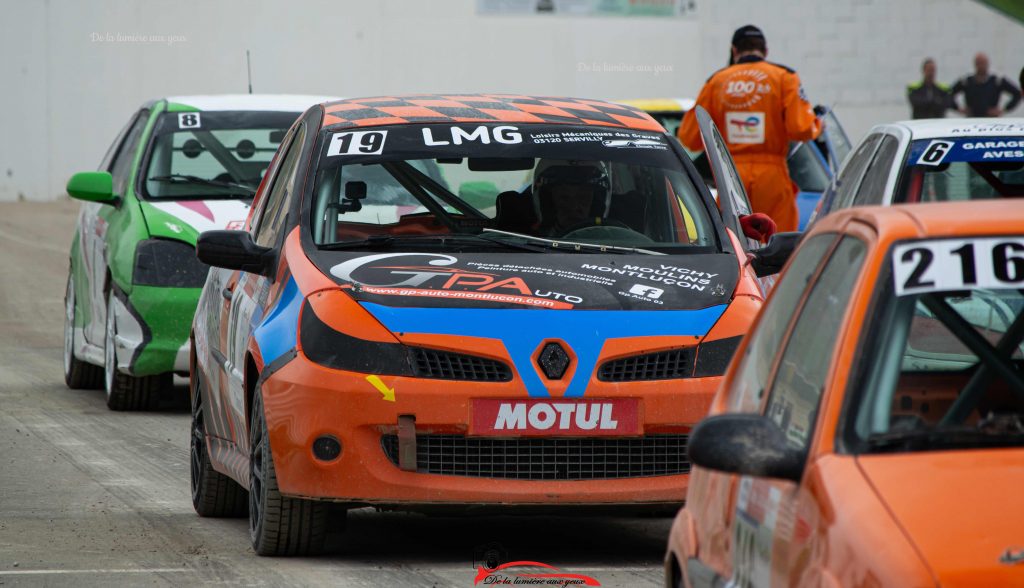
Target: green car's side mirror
pixel 93 186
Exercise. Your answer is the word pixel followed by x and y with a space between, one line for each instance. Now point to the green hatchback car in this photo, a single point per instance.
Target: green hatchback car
pixel 182 165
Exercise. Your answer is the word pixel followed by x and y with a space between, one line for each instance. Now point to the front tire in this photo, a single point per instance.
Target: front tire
pixel 78 375
pixel 278 525
pixel 125 392
pixel 213 493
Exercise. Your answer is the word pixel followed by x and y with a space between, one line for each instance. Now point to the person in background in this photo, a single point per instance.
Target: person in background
pixel 928 98
pixel 760 107
pixel 983 91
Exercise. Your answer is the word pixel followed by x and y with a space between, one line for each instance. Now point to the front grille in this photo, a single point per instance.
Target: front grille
pixel 546 458
pixel 661 365
pixel 445 365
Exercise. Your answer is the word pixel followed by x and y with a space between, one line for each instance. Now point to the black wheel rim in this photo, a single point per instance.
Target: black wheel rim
pixel 198 443
pixel 256 471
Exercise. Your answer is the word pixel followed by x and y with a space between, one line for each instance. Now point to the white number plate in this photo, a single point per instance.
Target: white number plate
pixel 357 143
pixel 958 264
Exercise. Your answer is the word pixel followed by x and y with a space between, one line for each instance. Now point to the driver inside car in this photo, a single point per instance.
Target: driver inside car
pixel 570 195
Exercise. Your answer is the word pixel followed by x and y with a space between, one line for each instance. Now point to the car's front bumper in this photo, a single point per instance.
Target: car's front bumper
pixel 304 401
pixel 152 329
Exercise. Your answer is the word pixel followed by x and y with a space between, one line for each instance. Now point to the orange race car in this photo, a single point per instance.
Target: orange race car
pixel 473 300
pixel 871 429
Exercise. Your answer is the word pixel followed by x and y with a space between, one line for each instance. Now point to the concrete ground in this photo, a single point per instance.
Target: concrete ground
pixel 89 497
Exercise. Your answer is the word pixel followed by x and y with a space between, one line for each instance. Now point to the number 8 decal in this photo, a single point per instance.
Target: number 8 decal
pixel 188 120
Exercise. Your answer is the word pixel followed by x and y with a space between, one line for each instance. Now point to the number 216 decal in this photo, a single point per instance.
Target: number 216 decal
pixel 357 143
pixel 958 264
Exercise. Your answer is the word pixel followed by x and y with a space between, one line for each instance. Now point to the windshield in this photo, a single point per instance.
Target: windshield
pixel 962 168
pixel 527 184
pixel 205 155
pixel 945 368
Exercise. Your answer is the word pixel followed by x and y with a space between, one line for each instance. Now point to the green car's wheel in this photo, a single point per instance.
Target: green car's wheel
pixel 278 525
pixel 213 493
pixel 78 375
pixel 125 392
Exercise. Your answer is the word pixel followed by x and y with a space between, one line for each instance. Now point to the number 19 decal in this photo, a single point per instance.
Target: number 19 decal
pixel 357 143
pixel 958 264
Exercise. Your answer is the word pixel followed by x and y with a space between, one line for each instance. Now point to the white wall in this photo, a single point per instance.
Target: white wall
pixel 67 90
pixel 860 54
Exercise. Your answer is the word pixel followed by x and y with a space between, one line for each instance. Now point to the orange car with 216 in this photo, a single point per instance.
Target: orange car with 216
pixel 870 430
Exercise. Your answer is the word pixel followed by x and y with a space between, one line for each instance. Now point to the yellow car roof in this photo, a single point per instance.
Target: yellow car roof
pixel 679 105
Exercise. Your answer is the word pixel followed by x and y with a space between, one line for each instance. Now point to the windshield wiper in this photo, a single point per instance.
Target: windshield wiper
pixel 944 437
pixel 190 179
pixel 573 246
pixel 381 241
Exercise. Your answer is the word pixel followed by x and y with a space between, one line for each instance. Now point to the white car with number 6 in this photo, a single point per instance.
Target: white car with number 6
pixel 933 160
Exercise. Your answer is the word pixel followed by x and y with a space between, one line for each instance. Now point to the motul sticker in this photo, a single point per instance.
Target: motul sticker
pixel 547 417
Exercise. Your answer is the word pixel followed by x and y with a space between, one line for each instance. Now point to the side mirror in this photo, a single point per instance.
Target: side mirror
pixel 234 250
pixel 769 259
pixel 93 186
pixel 745 444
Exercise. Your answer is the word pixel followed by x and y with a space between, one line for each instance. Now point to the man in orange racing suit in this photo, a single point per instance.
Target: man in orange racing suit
pixel 760 108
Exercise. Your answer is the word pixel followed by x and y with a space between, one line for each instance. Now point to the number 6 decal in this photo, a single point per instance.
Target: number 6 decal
pixel 935 153
pixel 1008 262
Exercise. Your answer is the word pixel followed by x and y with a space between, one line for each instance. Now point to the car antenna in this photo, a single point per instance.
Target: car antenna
pixel 248 66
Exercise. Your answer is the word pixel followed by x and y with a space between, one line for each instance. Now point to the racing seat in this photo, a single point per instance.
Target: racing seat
pixel 515 212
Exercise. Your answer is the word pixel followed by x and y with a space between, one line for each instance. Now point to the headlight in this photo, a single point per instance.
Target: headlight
pixel 330 348
pixel 334 349
pixel 169 263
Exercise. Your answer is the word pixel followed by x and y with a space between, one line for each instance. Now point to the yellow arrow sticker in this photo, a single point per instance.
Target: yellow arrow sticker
pixel 389 393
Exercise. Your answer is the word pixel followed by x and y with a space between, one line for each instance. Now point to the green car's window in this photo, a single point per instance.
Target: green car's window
pixel 120 169
pixel 591 185
pixel 203 155
pixel 115 147
pixel 946 357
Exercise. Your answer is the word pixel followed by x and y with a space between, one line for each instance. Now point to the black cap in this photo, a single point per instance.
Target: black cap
pixel 747 32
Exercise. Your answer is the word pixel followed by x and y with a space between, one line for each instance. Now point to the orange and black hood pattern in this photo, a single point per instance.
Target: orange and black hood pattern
pixel 430 108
